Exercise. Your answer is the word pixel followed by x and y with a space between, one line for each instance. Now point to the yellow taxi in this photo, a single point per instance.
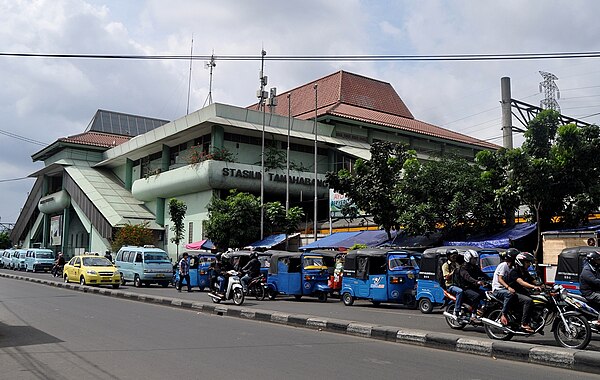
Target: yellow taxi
pixel 91 270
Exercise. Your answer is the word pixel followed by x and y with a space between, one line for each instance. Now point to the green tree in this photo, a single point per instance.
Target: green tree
pixel 177 210
pixel 5 240
pixel 132 234
pixel 555 172
pixel 449 195
pixel 373 184
pixel 233 222
pixel 278 221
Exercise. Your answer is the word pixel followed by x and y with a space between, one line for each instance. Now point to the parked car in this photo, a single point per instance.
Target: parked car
pixel 39 259
pixel 5 260
pixel 17 259
pixel 144 265
pixel 91 270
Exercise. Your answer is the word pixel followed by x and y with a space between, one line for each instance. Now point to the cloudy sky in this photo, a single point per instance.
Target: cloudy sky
pixel 42 99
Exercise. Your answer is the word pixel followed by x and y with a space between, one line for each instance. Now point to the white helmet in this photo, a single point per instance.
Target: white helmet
pixel 470 254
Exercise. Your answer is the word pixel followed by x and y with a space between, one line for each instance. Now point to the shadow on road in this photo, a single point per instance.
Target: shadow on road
pixel 13 336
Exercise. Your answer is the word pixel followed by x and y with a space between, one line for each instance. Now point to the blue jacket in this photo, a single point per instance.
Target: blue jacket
pixel 589 280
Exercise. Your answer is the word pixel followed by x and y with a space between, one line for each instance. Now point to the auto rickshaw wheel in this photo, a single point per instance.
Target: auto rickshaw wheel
pixel 322 297
pixel 272 294
pixel 298 297
pixel 376 303
pixel 425 305
pixel 201 288
pixel 347 299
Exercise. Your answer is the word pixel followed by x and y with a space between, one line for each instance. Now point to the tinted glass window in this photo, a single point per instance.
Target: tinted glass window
pixel 77 261
pixel 96 262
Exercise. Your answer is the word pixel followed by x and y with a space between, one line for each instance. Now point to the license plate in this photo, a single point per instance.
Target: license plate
pixel 160 275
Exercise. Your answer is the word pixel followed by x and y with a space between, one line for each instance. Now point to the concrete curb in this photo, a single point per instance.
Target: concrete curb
pixel 578 360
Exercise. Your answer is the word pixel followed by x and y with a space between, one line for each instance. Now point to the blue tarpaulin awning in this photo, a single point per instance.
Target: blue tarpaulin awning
pixel 499 240
pixel 371 238
pixel 368 238
pixel 330 242
pixel 271 241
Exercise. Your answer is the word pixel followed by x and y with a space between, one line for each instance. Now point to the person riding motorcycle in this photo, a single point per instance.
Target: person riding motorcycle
pixel 500 287
pixel 520 280
pixel 59 264
pixel 225 266
pixel 251 270
pixel 469 277
pixel 448 269
pixel 589 281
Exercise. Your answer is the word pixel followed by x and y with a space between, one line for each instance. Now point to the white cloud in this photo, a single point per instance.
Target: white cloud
pixel 49 98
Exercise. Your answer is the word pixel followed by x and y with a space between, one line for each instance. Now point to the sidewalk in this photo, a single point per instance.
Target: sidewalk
pixel 578 360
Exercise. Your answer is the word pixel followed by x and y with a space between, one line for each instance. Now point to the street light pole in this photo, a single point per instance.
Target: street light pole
pixel 315 188
pixel 262 97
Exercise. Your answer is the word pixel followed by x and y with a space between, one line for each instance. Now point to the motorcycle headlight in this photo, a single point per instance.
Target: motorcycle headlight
pixel 91 272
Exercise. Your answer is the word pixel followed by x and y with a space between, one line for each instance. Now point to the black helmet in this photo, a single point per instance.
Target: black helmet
pixel 510 254
pixel 523 258
pixel 451 251
pixel 254 255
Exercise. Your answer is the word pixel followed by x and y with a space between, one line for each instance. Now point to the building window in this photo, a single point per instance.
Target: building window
pixel 344 162
pixel 190 232
pixel 203 143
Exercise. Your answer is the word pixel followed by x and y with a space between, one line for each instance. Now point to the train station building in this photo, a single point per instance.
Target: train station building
pixel 124 168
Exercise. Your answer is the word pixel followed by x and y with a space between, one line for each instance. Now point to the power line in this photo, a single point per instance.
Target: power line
pixel 22 138
pixel 446 57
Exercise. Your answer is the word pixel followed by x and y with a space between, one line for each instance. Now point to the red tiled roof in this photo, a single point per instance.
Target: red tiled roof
pixel 412 125
pixel 100 139
pixel 364 99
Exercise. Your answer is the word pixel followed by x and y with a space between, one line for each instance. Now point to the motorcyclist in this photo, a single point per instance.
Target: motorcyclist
pixel 520 280
pixel 251 270
pixel 226 266
pixel 589 281
pixel 500 287
pixel 448 269
pixel 469 277
pixel 59 263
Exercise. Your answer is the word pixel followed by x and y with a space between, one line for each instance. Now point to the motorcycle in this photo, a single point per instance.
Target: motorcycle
pixel 464 316
pixel 57 271
pixel 233 292
pixel 257 288
pixel 550 307
pixel 580 304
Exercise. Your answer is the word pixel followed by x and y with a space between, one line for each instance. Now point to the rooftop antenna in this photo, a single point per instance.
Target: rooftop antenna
pixel 210 65
pixel 550 90
pixel 187 110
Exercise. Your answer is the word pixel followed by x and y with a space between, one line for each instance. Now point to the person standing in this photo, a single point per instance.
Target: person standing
pixel 184 272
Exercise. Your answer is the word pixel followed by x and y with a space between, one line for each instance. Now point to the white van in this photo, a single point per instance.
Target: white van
pixel 39 259
pixel 144 265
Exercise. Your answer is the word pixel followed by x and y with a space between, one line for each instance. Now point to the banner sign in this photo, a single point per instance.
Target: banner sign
pixel 56 230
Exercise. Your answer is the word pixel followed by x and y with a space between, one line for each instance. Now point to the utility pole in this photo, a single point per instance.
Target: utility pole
pixel 506 113
pixel 315 201
pixel 262 96
pixel 210 65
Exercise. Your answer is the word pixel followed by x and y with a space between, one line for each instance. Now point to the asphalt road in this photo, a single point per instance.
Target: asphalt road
pixel 52 333
pixel 361 311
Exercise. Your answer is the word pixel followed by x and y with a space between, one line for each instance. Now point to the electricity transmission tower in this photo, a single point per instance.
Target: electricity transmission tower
pixel 550 90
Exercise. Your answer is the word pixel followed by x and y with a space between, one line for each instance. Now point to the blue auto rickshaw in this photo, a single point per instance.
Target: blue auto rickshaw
pixel 380 275
pixel 298 274
pixel 570 265
pixel 489 259
pixel 199 270
pixel 430 283
pixel 240 258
